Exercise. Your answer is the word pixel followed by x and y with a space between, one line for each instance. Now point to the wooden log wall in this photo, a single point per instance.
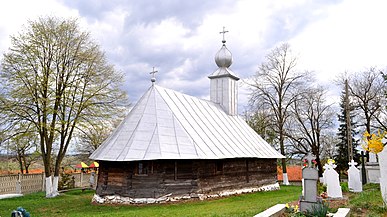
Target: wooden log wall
pixel 181 177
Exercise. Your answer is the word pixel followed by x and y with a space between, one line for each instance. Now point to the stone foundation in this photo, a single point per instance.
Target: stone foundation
pixel 117 199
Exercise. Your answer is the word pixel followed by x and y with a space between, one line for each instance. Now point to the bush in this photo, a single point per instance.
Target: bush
pixel 321 188
pixel 344 187
pixel 65 181
pixel 319 210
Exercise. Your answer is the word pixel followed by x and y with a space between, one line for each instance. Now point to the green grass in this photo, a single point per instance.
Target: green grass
pixel 78 203
pixel 369 201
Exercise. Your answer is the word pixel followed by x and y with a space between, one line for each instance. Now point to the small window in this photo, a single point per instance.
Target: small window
pixel 142 168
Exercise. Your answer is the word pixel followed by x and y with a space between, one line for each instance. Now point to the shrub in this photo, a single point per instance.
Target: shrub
pixel 318 210
pixel 344 186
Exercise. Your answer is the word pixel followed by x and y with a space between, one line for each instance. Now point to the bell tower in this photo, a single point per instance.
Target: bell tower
pixel 223 86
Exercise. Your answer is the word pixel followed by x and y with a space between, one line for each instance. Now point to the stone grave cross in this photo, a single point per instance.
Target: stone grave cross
pixel 324 178
pixel 309 157
pixel 310 176
pixel 354 183
pixel 332 181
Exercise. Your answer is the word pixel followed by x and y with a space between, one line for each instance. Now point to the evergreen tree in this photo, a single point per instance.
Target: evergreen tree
pixel 341 156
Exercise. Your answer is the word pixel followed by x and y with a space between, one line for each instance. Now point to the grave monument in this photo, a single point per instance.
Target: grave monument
pixel 309 199
pixel 354 182
pixel 332 181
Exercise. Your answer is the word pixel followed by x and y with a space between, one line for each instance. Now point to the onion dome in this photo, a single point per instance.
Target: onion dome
pixel 224 57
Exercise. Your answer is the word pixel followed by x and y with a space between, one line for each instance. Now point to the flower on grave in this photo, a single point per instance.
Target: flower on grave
pixel 296 208
pixel 331 161
pixel 324 195
pixel 374 142
pixel 314 162
pixel 291 208
pixel 305 162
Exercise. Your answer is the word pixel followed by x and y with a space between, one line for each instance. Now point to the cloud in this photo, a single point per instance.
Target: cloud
pixel 181 38
pixel 348 39
pixel 16 13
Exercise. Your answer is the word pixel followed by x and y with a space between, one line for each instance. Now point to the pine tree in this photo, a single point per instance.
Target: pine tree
pixel 341 156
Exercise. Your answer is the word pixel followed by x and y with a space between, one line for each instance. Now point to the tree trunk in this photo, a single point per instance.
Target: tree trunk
pixel 18 157
pixel 283 160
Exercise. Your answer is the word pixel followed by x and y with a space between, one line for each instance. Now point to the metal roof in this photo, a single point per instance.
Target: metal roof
pixel 166 124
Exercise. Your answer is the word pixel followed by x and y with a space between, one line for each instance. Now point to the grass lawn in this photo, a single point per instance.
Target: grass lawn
pixel 77 203
pixel 367 203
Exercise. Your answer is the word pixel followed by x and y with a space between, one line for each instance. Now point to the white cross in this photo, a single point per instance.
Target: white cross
pixel 223 32
pixel 352 163
pixel 153 72
pixel 326 166
pixel 309 157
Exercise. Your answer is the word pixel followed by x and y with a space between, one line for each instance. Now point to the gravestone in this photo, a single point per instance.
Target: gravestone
pixel 323 179
pixel 18 185
pixel 332 181
pixel 309 198
pixel 354 182
pixel 372 167
pixel 383 172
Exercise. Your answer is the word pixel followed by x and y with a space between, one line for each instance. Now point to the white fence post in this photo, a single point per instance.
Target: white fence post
pixel 80 184
pixel 18 184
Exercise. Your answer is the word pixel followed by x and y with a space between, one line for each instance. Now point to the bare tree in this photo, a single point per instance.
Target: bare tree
pixel 259 119
pixel 25 147
pixel 313 124
pixel 21 143
pixel 381 117
pixel 367 91
pixel 91 133
pixel 56 77
pixel 276 85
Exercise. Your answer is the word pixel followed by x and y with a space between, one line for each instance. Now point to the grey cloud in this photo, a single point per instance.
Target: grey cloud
pixel 296 18
pixel 190 14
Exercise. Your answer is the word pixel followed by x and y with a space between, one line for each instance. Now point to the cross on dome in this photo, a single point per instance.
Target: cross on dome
pixel 153 72
pixel 223 32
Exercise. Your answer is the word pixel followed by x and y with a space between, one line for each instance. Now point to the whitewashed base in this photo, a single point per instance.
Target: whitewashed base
pixel 52 186
pixel 285 179
pixel 117 199
pixel 48 186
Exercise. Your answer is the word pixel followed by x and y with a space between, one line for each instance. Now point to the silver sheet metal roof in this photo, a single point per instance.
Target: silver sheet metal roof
pixel 166 124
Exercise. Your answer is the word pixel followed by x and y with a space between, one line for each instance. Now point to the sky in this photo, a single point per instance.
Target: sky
pixel 180 38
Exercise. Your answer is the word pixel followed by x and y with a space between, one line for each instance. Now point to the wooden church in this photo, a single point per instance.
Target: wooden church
pixel 172 144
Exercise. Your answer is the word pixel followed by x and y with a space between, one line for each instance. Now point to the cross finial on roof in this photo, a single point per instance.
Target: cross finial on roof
pixel 309 157
pixel 153 72
pixel 223 32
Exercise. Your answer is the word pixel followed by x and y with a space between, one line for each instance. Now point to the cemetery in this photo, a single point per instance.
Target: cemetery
pixel 172 153
pixel 341 199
